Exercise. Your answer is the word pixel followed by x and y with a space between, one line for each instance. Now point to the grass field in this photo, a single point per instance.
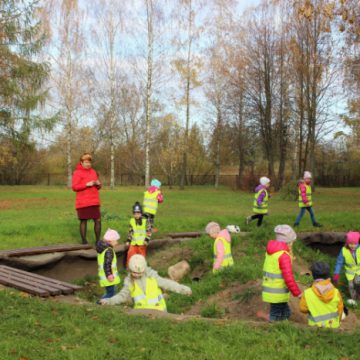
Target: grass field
pixel 32 328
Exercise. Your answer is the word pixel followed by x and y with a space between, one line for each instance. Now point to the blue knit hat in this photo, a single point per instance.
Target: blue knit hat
pixel 155 182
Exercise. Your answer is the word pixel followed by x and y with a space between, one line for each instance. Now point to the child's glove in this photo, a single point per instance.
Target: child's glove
pixel 336 278
pixel 146 242
pixel 110 278
pixel 127 244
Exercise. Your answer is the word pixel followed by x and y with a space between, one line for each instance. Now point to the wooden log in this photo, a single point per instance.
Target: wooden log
pixel 23 287
pixel 193 234
pixel 40 277
pixel 43 283
pixel 43 250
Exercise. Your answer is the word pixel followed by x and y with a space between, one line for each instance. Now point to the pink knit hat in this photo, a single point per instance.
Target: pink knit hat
pixel 285 233
pixel 111 235
pixel 212 228
pixel 352 237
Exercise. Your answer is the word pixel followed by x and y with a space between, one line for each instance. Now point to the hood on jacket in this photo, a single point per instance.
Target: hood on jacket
pixel 324 290
pixel 101 246
pixel 260 187
pixel 152 189
pixel 274 246
pixel 225 234
pixel 80 167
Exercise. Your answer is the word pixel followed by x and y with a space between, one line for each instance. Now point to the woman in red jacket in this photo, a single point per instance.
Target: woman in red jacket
pixel 86 184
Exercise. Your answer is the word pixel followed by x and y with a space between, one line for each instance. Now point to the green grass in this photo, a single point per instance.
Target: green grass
pixel 33 328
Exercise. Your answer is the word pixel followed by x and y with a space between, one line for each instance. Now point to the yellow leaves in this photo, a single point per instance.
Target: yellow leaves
pixel 329 10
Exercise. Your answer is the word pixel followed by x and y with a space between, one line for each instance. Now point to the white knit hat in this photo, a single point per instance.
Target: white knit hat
pixel 285 233
pixel 307 175
pixel 212 228
pixel 264 180
pixel 137 263
pixel 111 235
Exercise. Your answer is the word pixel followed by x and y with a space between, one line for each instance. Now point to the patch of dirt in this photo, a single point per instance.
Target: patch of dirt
pixel 158 259
pixel 243 302
pixel 22 203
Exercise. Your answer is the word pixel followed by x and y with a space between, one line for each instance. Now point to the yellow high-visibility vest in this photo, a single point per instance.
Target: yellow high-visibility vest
pixel 101 272
pixel 274 289
pixel 228 259
pixel 263 208
pixel 151 202
pixel 139 232
pixel 322 314
pixel 308 195
pixel 352 266
pixel 151 299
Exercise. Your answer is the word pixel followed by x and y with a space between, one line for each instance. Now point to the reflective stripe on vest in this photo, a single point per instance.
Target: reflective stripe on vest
pixel 101 272
pixel 153 297
pixel 352 266
pixel 227 259
pixel 263 208
pixel 308 195
pixel 274 289
pixel 151 202
pixel 320 313
pixel 139 232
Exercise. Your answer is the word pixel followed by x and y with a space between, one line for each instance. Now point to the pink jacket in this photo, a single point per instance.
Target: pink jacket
pixel 160 197
pixel 302 188
pixel 274 246
pixel 220 248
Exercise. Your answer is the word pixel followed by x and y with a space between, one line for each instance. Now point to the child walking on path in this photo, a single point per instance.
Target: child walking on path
pixel 139 233
pixel 222 246
pixel 152 198
pixel 107 263
pixel 322 302
pixel 143 286
pixel 278 279
pixel 350 257
pixel 305 199
pixel 261 201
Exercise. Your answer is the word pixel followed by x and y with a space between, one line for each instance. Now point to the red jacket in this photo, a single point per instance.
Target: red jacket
pixel 85 196
pixel 284 264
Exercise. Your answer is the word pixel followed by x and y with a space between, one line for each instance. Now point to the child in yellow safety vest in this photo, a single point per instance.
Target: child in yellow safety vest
pixel 152 198
pixel 107 262
pixel 143 286
pixel 261 201
pixel 350 257
pixel 322 302
pixel 222 246
pixel 278 278
pixel 305 200
pixel 139 233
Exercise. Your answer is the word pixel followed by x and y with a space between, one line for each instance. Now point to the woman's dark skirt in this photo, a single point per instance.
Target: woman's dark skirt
pixel 89 212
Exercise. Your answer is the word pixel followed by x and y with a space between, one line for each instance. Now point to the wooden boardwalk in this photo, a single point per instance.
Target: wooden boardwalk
pixel 34 284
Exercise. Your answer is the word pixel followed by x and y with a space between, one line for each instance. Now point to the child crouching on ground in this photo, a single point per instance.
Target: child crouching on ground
pixel 278 279
pixel 350 257
pixel 222 246
pixel 107 263
pixel 322 302
pixel 143 286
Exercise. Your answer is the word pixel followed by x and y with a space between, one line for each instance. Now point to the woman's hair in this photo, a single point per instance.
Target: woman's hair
pixel 85 157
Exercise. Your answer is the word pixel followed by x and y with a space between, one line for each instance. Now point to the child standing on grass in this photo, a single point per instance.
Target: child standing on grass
pixel 152 198
pixel 139 233
pixel 305 199
pixel 143 286
pixel 222 246
pixel 322 302
pixel 350 257
pixel 261 201
pixel 107 263
pixel 278 279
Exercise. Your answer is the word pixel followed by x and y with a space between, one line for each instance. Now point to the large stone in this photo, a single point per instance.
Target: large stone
pixel 179 270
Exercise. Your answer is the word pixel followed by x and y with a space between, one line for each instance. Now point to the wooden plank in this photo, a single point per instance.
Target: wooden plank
pixel 40 277
pixel 23 287
pixel 43 250
pixel 28 279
